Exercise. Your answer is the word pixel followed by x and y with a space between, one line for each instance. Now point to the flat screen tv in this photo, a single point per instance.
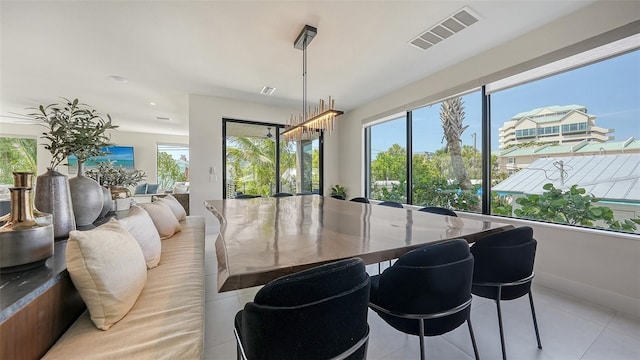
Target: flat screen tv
pixel 119 155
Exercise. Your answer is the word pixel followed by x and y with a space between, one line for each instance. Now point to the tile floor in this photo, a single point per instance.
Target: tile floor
pixel 569 328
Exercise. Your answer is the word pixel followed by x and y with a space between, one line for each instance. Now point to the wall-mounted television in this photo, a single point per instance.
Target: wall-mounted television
pixel 119 155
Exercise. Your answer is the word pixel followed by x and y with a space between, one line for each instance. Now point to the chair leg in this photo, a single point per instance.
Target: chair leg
pixel 421 327
pixel 473 338
pixel 504 350
pixel 535 322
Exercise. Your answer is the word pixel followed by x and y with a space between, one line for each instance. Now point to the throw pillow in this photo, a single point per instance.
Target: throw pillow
pixel 174 205
pixel 163 219
pixel 152 188
pixel 107 267
pixel 140 189
pixel 139 224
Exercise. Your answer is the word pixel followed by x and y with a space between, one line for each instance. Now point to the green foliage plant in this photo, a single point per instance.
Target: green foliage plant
pixel 573 207
pixel 107 174
pixel 74 128
pixel 339 190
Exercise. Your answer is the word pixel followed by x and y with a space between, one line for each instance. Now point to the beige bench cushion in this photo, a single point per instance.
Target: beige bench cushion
pixel 167 321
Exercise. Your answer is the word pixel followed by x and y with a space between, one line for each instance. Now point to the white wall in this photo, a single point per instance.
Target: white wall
pixel 597 266
pixel 145 146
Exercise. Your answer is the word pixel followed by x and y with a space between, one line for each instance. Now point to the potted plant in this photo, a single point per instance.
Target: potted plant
pixel 76 129
pixel 116 178
pixel 339 191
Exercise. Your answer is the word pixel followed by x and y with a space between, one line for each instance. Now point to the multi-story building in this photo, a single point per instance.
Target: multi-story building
pixel 570 124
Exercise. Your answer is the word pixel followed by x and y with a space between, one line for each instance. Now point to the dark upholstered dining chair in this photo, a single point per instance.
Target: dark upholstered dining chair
pixel 427 291
pixel 363 200
pixel 504 270
pixel 319 313
pixel 438 210
pixel 281 194
pixel 391 204
pixel 246 196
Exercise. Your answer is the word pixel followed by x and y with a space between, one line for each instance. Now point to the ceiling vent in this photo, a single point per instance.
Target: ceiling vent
pixel 267 90
pixel 163 118
pixel 462 19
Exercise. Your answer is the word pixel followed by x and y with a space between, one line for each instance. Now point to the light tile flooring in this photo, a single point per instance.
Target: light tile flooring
pixel 569 328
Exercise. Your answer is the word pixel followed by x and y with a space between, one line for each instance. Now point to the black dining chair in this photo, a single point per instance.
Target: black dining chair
pixel 281 194
pixel 319 313
pixel 438 210
pixel 427 291
pixel 360 200
pixel 246 196
pixel 504 271
pixel 391 204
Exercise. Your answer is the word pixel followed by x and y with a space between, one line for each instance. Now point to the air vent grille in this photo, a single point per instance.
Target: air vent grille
pixel 267 90
pixel 163 118
pixel 462 19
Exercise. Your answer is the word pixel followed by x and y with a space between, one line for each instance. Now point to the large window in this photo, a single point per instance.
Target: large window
pixel 445 162
pixel 173 167
pixel 447 167
pixel 569 152
pixel 388 179
pixel 16 154
pixel 588 181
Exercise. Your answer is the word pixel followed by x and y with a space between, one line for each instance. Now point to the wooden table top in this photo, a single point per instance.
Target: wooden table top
pixel 264 238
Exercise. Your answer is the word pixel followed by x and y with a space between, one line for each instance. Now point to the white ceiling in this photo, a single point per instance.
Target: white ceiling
pixel 231 49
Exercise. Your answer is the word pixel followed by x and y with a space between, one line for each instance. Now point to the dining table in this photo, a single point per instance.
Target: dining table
pixel 264 238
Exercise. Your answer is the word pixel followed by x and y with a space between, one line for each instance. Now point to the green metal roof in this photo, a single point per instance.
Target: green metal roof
pixel 560 149
pixel 617 145
pixel 553 108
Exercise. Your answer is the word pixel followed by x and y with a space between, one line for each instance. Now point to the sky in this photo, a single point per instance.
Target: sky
pixel 610 90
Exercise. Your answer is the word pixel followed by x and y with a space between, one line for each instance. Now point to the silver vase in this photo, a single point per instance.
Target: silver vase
pixel 107 202
pixel 53 197
pixel 86 197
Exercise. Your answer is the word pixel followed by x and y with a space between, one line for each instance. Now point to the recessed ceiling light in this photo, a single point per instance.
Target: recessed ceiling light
pixel 152 103
pixel 267 90
pixel 118 78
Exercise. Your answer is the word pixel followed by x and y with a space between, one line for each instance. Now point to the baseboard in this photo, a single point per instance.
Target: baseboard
pixel 590 293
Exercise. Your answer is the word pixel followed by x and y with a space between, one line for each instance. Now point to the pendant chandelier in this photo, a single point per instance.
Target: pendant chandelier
pixel 310 121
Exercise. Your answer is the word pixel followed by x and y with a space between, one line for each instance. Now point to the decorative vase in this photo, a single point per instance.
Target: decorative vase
pixel 86 197
pixel 25 179
pixel 107 202
pixel 22 239
pixel 54 197
pixel 119 192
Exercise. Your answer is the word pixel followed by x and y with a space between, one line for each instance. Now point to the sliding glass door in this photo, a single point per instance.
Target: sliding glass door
pixel 259 161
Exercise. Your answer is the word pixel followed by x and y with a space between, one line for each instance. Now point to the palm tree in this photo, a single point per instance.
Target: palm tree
pixel 452 116
pixel 251 161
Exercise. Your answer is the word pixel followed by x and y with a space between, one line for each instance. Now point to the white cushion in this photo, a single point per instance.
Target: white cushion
pixel 175 206
pixel 163 218
pixel 139 224
pixel 108 268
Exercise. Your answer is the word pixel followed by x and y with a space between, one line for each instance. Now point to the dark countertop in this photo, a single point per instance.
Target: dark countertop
pixel 19 288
